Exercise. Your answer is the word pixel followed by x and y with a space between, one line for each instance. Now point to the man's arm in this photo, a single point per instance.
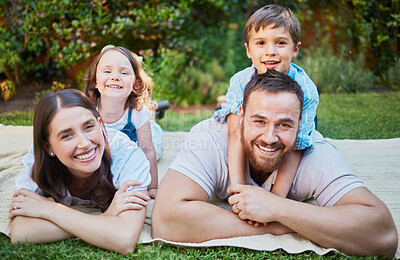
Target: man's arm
pixel 359 223
pixel 182 213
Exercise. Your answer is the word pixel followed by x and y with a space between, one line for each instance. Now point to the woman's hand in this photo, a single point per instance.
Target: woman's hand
pixel 30 204
pixel 152 193
pixel 127 200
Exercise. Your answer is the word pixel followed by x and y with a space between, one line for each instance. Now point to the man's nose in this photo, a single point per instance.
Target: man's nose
pixel 270 135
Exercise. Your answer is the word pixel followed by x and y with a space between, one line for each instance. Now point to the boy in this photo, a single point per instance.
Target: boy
pixel 272 37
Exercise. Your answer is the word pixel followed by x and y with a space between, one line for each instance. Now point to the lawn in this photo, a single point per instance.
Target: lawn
pixel 340 116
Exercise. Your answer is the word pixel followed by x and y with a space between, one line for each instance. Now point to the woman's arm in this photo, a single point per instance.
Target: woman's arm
pixel 40 220
pixel 236 155
pixel 145 143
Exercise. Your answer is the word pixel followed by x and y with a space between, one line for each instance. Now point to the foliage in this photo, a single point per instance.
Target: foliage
pixel 184 83
pixel 391 77
pixel 7 90
pixel 57 34
pixel 55 86
pixel 333 73
pixel 379 23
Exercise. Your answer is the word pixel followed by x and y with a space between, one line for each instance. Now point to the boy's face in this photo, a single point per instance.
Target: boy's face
pixel 271 48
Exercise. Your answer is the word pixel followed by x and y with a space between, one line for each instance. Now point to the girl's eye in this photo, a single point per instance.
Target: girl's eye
pixel 125 73
pixel 107 71
pixel 260 43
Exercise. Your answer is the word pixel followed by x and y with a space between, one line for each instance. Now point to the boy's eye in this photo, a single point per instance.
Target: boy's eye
pixel 281 43
pixel 260 43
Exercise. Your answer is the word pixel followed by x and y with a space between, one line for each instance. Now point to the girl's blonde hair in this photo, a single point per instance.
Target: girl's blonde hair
pixel 142 88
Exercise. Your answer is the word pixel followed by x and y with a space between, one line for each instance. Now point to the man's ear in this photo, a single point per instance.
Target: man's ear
pixel 241 114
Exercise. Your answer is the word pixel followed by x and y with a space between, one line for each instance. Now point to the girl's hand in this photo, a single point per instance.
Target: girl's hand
pixel 30 204
pixel 153 193
pixel 127 200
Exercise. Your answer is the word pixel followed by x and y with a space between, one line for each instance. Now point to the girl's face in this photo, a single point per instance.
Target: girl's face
pixel 76 138
pixel 115 76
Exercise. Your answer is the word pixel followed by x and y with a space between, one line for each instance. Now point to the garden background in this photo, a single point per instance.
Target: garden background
pixel 191 48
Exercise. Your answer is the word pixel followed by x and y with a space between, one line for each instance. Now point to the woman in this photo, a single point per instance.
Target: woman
pixel 73 163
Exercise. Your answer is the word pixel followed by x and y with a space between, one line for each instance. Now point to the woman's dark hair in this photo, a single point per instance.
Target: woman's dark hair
pixel 48 172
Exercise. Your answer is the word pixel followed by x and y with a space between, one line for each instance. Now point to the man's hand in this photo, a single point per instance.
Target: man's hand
pixel 253 203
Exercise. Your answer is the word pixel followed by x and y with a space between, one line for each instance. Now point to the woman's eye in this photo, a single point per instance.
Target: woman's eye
pixel 66 136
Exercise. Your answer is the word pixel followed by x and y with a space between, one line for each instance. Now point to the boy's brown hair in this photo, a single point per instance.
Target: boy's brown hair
pixel 277 15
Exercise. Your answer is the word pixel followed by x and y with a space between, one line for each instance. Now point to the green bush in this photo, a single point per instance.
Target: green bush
pixel 391 77
pixel 181 82
pixel 336 74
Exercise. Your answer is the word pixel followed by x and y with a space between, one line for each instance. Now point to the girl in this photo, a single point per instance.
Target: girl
pixel 117 83
pixel 73 164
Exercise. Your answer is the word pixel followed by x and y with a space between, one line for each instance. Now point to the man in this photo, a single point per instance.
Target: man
pixel 349 217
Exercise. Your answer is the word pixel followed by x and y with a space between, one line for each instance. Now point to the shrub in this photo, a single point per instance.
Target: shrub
pixel 7 90
pixel 180 81
pixel 336 74
pixel 391 77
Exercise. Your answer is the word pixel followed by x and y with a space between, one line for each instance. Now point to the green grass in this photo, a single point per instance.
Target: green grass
pixel 183 120
pixel 78 249
pixel 359 116
pixel 356 116
pixel 17 118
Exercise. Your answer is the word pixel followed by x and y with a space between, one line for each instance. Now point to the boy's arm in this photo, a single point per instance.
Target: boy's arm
pixel 234 96
pixel 236 155
pixel 305 138
pixel 286 173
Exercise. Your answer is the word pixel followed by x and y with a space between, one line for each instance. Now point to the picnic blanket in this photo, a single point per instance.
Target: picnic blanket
pixel 377 162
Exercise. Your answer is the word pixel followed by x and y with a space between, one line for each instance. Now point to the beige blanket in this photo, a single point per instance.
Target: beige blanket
pixel 377 162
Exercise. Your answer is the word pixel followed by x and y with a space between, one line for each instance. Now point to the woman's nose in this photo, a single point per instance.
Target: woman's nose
pixel 83 142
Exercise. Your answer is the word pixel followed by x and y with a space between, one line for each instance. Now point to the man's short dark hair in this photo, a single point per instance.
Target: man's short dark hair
pixel 274 82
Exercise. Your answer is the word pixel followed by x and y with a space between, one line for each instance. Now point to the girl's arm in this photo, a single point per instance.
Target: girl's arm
pixel 145 143
pixel 236 154
pixel 286 173
pixel 40 220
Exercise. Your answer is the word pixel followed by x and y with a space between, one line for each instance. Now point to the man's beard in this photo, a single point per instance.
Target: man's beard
pixel 262 166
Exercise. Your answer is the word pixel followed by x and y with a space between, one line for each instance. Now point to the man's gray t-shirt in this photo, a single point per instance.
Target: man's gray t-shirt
pixel 323 175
